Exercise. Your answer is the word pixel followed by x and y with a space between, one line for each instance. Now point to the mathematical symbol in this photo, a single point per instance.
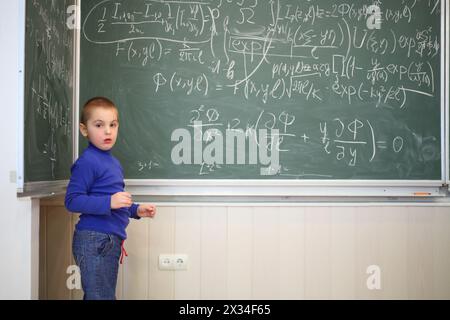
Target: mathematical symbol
pixel 381 145
pixel 305 138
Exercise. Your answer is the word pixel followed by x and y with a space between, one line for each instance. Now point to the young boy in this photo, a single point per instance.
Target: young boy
pixel 96 191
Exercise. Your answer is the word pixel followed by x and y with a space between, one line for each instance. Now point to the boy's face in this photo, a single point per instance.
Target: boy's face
pixel 102 128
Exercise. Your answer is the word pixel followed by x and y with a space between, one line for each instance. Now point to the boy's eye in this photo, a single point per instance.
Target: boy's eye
pixel 98 125
pixel 113 125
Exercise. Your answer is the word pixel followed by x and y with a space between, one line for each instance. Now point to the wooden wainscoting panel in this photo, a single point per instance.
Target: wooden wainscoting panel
pixel 136 264
pixel 318 253
pixel 292 253
pixel 441 252
pixel 266 253
pixel 343 252
pixel 240 252
pixel 58 252
pixel 393 251
pixel 368 252
pixel 43 254
pixel 161 283
pixel 213 276
pixel 419 282
pixel 188 241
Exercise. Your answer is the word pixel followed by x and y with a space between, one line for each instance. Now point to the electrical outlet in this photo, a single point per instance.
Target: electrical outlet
pixel 173 261
pixel 180 262
pixel 165 262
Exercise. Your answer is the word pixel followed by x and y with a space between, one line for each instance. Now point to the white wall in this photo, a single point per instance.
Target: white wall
pixel 19 218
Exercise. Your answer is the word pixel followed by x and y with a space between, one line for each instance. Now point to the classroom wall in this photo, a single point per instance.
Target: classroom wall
pixel 269 252
pixel 234 252
pixel 19 218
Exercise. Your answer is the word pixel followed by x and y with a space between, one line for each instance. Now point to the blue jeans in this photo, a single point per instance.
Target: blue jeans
pixel 97 255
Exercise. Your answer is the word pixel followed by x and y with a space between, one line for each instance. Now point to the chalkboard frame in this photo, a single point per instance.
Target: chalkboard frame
pixel 447 93
pixel 259 189
pixel 39 189
pixel 283 189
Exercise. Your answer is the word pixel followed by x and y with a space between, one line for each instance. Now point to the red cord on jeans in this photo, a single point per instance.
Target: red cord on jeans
pixel 123 252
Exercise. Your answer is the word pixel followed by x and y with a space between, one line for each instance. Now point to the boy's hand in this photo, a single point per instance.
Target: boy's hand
pixel 146 210
pixel 121 200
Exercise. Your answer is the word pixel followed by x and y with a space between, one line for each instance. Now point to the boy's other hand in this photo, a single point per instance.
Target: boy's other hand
pixel 146 210
pixel 121 200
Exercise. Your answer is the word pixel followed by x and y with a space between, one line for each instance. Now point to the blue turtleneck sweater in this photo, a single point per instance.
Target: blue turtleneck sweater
pixel 96 176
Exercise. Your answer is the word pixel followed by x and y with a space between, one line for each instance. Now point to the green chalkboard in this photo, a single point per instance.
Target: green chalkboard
pixel 48 108
pixel 252 89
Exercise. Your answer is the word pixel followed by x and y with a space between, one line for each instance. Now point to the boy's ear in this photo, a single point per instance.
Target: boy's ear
pixel 83 130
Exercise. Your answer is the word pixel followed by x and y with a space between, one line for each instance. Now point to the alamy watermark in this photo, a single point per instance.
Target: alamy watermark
pixel 73 282
pixel 374 20
pixel 250 147
pixel 73 17
pixel 373 282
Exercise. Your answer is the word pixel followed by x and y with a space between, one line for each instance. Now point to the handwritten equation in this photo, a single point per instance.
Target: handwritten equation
pixel 333 80
pixel 341 140
pixel 49 83
pixel 238 45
